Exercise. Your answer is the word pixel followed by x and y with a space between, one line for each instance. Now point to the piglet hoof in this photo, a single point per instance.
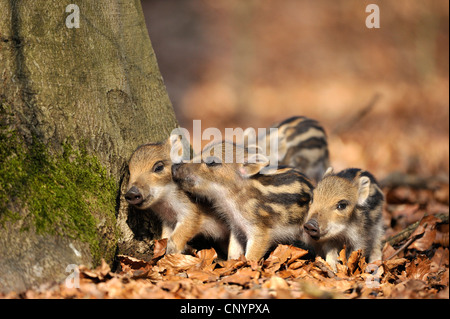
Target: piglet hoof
pixel 171 247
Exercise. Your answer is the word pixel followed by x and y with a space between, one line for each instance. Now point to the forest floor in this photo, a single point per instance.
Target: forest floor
pixel 224 66
pixel 415 265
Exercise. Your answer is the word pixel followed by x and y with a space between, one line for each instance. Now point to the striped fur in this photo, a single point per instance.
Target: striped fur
pixel 302 143
pixel 260 209
pixel 182 217
pixel 346 210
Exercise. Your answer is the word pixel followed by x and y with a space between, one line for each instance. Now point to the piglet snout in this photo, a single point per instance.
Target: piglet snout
pixel 312 229
pixel 134 196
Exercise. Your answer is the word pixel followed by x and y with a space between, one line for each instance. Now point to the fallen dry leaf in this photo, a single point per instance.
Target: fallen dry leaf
pixel 441 239
pixel 242 277
pixel 160 248
pixel 353 262
pixel 175 263
pixel 276 282
pixel 426 233
pixel 100 273
pixel 202 275
pixel 207 258
pixel 394 263
pixel 420 270
pixel 281 255
pixel 229 266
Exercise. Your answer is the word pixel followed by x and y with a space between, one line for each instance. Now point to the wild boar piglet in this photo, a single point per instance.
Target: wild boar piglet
pixel 346 209
pixel 301 144
pixel 151 187
pixel 261 205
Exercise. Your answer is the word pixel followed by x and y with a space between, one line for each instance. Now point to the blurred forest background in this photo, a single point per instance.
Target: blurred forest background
pixel 234 63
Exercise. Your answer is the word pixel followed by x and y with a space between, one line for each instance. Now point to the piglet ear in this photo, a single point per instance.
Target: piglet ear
pixel 174 139
pixel 176 148
pixel 328 172
pixel 253 165
pixel 178 142
pixel 363 190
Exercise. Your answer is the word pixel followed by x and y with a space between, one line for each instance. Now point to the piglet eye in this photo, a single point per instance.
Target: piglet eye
pixel 158 167
pixel 342 205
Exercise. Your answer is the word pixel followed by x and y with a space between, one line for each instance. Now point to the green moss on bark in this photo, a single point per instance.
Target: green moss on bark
pixel 68 193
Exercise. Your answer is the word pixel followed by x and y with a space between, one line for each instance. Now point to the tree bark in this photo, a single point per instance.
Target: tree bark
pixel 74 104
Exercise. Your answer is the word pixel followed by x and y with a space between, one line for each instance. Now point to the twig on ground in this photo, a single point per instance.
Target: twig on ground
pixel 404 246
pixel 405 233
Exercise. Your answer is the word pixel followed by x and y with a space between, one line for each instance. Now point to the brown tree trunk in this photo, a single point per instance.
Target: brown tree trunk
pixel 74 103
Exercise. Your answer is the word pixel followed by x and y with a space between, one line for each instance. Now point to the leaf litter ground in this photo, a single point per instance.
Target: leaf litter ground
pixel 415 265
